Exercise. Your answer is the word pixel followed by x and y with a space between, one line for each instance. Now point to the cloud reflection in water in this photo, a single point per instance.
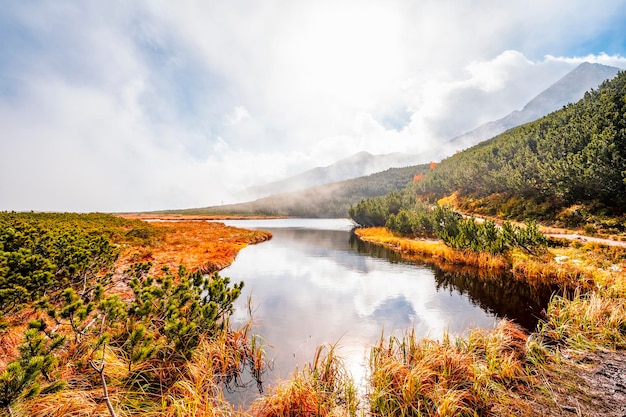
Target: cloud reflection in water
pixel 311 287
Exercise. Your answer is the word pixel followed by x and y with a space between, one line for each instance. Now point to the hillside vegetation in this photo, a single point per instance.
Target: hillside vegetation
pixel 567 169
pixel 323 201
pixel 573 157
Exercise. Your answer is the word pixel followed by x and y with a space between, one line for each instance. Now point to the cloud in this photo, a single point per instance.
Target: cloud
pixel 238 114
pixel 448 105
pixel 602 58
pixel 155 105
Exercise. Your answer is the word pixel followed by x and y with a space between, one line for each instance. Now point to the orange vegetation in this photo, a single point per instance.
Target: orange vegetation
pixel 194 217
pixel 433 248
pixel 595 266
pixel 208 246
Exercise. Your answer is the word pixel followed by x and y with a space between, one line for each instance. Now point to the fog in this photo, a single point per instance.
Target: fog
pixel 111 106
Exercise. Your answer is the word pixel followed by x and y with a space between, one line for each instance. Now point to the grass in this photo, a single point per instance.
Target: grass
pixel 481 374
pixel 323 389
pixel 434 249
pixel 505 372
pixel 587 267
pixel 208 246
pixel 198 390
pixel 199 382
pixel 587 322
pixel 498 372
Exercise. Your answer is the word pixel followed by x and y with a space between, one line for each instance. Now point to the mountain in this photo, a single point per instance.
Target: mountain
pixel 305 194
pixel 357 165
pixel 321 201
pixel 565 164
pixel 568 89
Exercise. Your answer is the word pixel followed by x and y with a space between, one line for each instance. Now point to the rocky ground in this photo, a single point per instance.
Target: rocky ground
pixel 585 384
pixel 603 375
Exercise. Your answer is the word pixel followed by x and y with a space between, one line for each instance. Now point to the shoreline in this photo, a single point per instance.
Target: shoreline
pixel 191 217
pixel 582 367
pixel 203 245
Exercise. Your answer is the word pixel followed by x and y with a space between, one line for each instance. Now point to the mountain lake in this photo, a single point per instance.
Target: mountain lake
pixel 315 283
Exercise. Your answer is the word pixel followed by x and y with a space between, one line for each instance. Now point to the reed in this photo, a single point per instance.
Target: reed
pixel 481 374
pixel 323 388
pixel 586 322
pixel 198 390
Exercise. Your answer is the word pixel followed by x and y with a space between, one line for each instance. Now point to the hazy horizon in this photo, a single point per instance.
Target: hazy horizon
pixel 111 106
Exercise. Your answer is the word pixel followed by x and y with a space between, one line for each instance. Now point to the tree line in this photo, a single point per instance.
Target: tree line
pixel 576 155
pixel 565 168
pixel 406 216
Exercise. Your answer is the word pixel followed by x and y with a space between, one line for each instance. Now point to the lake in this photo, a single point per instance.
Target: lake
pixel 315 283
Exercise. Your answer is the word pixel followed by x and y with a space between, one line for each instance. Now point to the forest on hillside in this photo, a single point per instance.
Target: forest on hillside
pixel 576 155
pixel 562 168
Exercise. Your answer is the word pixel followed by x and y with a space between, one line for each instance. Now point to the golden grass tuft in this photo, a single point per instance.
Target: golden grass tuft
pixel 435 249
pixel 323 389
pixel 475 375
pixel 198 392
pixel 69 403
pixel 586 322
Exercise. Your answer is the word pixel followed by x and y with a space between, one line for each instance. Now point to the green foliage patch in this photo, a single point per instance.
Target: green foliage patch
pixel 405 216
pixel 61 266
pixel 576 155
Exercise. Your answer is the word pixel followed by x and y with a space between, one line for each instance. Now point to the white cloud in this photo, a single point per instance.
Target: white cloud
pixel 151 105
pixel 238 114
pixel 602 58
pixel 493 75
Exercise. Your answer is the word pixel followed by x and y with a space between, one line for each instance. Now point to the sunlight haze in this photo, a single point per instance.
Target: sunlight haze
pixel 131 106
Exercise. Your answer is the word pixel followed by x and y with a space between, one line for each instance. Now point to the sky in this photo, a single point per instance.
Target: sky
pixel 132 106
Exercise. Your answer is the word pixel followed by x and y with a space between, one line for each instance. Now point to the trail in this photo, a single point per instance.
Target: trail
pixel 558 233
pixel 574 236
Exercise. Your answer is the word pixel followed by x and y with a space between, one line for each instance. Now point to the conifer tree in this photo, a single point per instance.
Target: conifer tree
pixel 30 374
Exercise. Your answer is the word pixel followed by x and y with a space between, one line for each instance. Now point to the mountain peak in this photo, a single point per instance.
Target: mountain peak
pixel 569 89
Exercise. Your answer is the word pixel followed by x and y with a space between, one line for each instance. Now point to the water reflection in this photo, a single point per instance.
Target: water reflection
pixel 318 285
pixel 498 293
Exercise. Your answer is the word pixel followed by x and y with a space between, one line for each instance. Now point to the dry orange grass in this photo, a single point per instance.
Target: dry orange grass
pixel 435 249
pixel 589 267
pixel 208 246
pixel 11 337
pixel 323 389
pixel 482 374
